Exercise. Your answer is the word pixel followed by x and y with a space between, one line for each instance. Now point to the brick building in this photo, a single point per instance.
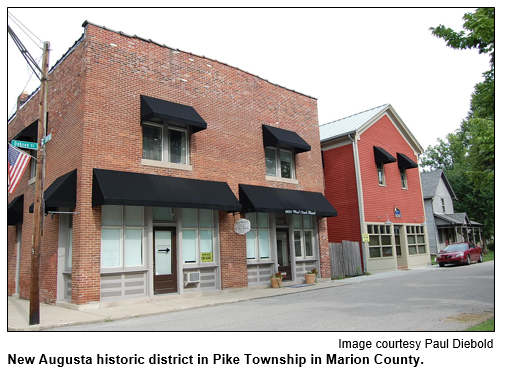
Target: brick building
pixel 155 155
pixel 371 175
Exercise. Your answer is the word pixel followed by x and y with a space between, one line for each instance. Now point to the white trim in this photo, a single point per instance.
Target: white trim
pixel 281 180
pixel 176 166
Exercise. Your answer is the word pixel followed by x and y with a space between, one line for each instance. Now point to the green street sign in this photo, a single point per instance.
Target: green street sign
pixel 24 144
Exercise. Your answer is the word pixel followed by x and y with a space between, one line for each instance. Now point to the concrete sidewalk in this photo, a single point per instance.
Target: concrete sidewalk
pixel 52 316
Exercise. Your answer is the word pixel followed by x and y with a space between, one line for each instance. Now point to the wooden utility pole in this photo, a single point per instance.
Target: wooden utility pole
pixel 38 207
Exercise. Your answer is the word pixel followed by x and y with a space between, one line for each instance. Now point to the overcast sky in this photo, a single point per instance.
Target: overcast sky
pixel 351 60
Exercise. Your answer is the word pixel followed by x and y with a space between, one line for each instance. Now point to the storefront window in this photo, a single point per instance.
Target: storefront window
pixel 257 239
pixel 380 241
pixel 416 240
pixel 198 236
pixel 303 235
pixel 122 236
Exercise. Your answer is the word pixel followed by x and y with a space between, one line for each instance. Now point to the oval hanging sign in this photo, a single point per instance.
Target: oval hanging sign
pixel 242 226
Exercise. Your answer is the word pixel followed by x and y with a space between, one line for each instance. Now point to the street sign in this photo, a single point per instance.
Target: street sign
pixel 24 144
pixel 46 139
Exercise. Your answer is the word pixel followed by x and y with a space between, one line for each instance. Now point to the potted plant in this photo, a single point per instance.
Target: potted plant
pixel 311 276
pixel 276 280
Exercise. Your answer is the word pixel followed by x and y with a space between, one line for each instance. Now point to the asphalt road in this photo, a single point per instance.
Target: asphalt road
pixel 452 298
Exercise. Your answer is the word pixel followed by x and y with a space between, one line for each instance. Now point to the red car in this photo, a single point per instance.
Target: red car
pixel 460 253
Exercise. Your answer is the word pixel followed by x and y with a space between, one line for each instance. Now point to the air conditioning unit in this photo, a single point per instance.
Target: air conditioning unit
pixel 191 277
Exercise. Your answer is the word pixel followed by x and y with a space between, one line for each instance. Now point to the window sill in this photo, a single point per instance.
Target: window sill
pixel 176 166
pixel 32 180
pixel 281 180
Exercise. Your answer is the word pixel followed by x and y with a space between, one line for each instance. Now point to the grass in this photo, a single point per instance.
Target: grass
pixel 489 256
pixel 487 326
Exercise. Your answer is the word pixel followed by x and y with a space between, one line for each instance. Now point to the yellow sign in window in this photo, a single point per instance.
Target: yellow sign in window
pixel 365 238
pixel 206 257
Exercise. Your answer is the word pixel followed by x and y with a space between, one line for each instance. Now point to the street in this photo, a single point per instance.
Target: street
pixel 452 298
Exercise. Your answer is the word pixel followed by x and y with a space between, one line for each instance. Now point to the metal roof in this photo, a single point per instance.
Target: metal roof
pixel 349 124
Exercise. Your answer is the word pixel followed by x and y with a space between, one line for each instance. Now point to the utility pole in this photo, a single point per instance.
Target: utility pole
pixel 38 207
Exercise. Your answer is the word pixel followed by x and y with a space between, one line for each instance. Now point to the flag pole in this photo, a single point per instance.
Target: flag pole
pixel 38 207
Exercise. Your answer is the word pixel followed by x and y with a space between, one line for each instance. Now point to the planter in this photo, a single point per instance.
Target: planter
pixel 310 278
pixel 275 283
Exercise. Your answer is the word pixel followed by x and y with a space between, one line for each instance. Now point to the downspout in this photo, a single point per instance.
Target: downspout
pixel 360 197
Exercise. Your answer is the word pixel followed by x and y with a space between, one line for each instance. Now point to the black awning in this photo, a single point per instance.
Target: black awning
pixel 15 211
pixel 154 109
pixel 382 156
pixel 130 188
pixel 30 133
pixel 276 200
pixel 283 138
pixel 62 193
pixel 404 162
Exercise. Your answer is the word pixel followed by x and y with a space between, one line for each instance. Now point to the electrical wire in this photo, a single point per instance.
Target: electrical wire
pixel 22 27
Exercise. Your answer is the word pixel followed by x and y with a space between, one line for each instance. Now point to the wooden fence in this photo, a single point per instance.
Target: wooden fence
pixel 345 259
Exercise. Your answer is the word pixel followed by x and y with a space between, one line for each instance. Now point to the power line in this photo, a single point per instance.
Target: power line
pixel 22 27
pixel 30 60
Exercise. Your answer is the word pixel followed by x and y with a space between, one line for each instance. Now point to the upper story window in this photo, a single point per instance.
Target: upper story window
pixel 165 143
pixel 380 168
pixel 279 162
pixel 404 178
pixel 280 147
pixel 443 209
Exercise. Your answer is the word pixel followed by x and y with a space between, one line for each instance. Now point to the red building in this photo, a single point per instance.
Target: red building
pixel 372 179
pixel 155 155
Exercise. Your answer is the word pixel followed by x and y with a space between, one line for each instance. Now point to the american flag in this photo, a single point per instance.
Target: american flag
pixel 17 164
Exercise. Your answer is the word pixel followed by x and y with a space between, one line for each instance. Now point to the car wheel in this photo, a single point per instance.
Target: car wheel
pixel 441 264
pixel 468 261
pixel 481 257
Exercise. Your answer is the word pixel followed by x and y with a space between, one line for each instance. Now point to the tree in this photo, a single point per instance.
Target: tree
pixel 468 155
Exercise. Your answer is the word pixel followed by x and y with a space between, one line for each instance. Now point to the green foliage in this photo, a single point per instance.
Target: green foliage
pixel 467 156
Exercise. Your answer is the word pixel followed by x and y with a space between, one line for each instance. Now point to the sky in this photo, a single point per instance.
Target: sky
pixel 350 59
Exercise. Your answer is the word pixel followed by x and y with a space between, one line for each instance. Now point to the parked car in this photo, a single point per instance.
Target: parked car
pixel 460 253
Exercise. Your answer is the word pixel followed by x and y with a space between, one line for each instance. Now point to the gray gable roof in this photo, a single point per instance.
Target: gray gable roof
pixel 349 124
pixel 430 181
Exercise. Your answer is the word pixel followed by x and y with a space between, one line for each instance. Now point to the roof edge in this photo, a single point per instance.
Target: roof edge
pixel 86 23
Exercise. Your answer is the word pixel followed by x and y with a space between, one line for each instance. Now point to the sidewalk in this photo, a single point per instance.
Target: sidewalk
pixel 52 316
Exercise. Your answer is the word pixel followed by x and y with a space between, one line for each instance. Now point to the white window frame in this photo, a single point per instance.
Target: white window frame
pixel 198 229
pixel 404 177
pixel 416 231
pixel 302 230
pixel 380 171
pixel 380 231
pixel 166 127
pixel 255 229
pixel 122 228
pixel 278 151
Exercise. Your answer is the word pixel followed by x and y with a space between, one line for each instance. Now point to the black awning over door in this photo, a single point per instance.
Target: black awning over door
pixel 286 139
pixel 62 193
pixel 404 162
pixel 382 156
pixel 276 200
pixel 15 211
pixel 154 109
pixel 130 188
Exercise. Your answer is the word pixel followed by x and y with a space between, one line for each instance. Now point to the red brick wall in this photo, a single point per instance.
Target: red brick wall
pixel 379 200
pixel 94 105
pixel 341 191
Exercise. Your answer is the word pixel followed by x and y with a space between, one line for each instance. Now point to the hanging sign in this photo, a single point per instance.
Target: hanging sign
pixel 397 212
pixel 242 226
